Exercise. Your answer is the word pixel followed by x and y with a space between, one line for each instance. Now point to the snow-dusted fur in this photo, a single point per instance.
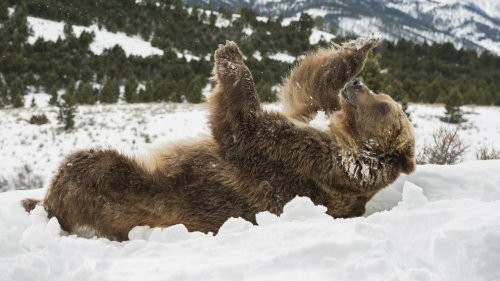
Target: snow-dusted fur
pixel 254 161
pixel 369 142
pixel 315 82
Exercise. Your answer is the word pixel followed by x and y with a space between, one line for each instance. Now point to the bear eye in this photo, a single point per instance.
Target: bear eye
pixel 383 108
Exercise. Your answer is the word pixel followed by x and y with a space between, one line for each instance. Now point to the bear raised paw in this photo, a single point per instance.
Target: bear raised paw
pixel 314 84
pixel 229 66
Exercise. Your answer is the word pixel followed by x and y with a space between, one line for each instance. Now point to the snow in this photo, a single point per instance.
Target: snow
pixel 262 19
pixel 31 153
pixel 187 55
pixel 419 229
pixel 481 129
pixel 41 99
pixel 363 26
pixel 318 35
pixel 257 55
pixel 320 121
pixel 132 45
pixel 247 30
pixel 283 57
pixel 440 223
pixel 452 21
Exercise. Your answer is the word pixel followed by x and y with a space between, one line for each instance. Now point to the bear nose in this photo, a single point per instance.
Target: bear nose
pixel 356 82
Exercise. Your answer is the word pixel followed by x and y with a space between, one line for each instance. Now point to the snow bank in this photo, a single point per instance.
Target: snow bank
pixel 439 224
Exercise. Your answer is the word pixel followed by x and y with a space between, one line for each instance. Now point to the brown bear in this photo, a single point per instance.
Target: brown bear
pixel 254 161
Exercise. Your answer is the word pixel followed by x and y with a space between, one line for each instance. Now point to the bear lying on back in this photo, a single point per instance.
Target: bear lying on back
pixel 254 160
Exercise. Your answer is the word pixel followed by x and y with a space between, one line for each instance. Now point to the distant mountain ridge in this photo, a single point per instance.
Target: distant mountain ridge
pixel 470 24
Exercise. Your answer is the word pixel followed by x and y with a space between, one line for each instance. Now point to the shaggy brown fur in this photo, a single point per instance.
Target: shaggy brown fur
pixel 315 82
pixel 369 143
pixel 255 161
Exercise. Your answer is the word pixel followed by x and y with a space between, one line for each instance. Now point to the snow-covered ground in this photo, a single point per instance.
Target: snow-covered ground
pixel 441 223
pixel 30 153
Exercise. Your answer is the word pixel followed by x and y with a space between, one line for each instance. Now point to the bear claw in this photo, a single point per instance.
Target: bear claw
pixel 229 51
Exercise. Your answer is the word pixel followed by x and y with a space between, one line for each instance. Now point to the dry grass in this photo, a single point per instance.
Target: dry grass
pixel 446 148
pixel 487 153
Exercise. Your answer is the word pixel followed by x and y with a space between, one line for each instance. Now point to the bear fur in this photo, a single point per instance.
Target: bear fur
pixel 254 160
pixel 315 82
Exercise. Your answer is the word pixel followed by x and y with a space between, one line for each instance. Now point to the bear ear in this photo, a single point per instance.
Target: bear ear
pixel 407 164
pixel 406 159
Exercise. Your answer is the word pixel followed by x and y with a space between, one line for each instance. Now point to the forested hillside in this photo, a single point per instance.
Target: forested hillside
pixel 409 72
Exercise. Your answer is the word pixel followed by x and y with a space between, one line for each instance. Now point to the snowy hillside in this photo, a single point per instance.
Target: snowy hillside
pixel 469 24
pixel 439 224
pixel 52 30
pixel 49 30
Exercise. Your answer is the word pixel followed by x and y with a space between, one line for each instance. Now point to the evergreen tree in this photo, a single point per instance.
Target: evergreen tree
pixel 53 95
pixel 17 91
pixel 67 110
pixel 68 30
pixel 131 90
pixel 3 95
pixel 4 12
pixel 147 94
pixel 417 73
pixel 85 94
pixel 453 114
pixel 265 92
pixel 110 91
pixel 19 24
pixel 373 76
pixel 193 94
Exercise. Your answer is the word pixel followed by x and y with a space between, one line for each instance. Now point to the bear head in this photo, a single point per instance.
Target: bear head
pixel 377 123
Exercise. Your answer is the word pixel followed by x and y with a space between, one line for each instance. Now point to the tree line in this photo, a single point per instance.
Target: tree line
pixel 407 71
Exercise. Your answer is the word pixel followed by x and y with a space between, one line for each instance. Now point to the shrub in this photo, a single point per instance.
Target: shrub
pixel 39 119
pixel 453 115
pixel 487 153
pixel 446 148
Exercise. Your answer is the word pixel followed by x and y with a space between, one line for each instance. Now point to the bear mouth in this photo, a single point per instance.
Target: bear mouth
pixel 347 95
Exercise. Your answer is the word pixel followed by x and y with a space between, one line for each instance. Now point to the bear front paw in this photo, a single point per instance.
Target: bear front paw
pixel 229 52
pixel 371 42
pixel 374 40
pixel 229 63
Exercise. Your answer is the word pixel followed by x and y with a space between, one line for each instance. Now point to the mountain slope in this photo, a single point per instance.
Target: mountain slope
pixel 467 24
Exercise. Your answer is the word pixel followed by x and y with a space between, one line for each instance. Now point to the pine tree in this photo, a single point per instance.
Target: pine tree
pixel 4 12
pixel 453 114
pixel 68 31
pixel 53 95
pixel 67 110
pixel 193 94
pixel 265 92
pixel 3 94
pixel 85 94
pixel 373 76
pixel 131 90
pixel 110 91
pixel 17 91
pixel 20 24
pixel 147 94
